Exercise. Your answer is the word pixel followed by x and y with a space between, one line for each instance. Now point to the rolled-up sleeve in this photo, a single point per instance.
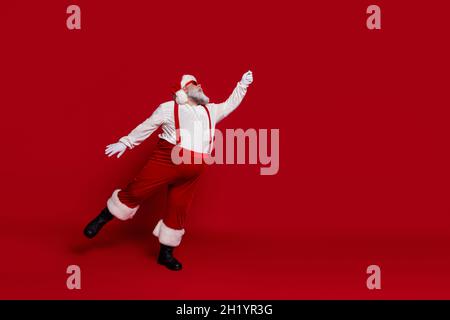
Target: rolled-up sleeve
pixel 145 129
pixel 221 110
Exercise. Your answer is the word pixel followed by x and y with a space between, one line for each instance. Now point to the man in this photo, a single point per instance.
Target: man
pixel 179 120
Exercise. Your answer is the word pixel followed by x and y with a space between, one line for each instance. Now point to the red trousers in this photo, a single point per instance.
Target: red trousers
pixel 180 181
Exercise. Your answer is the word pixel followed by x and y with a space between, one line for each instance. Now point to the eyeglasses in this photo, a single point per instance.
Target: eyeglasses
pixel 191 81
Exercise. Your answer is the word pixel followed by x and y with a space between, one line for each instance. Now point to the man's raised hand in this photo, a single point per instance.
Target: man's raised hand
pixel 247 78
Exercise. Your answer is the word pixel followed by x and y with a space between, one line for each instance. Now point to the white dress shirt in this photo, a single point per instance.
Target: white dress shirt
pixel 193 122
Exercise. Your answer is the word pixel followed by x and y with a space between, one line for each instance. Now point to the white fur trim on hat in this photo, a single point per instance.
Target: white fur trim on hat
pixel 185 79
pixel 181 97
pixel 168 236
pixel 119 209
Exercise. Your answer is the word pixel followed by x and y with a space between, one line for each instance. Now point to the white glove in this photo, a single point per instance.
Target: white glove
pixel 114 148
pixel 247 78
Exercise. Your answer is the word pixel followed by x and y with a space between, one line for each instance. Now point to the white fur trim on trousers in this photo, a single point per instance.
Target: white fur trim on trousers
pixel 168 236
pixel 119 209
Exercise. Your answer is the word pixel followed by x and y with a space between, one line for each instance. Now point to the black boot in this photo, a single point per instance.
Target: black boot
pixel 95 225
pixel 166 258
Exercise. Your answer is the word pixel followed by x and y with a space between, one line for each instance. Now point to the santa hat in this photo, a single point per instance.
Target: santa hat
pixel 180 95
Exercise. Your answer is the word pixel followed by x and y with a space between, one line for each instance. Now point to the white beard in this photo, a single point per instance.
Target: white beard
pixel 198 96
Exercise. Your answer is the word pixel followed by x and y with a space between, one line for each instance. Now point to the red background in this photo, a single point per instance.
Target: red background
pixel 364 148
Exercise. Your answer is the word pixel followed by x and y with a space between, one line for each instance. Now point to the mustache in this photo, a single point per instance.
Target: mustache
pixel 198 96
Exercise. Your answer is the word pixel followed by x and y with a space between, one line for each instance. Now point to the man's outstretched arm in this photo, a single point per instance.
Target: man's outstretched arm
pixel 221 110
pixel 138 134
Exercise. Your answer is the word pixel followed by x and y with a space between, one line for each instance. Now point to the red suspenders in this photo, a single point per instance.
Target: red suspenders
pixel 177 124
pixel 209 129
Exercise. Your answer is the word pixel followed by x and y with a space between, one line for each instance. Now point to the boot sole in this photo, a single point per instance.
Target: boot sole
pixel 171 269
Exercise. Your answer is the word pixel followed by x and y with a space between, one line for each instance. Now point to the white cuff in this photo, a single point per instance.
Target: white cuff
pixel 126 141
pixel 119 209
pixel 168 236
pixel 245 86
